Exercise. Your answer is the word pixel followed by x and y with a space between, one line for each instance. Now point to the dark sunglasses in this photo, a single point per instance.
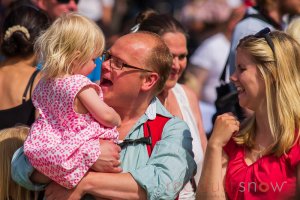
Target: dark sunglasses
pixel 66 1
pixel 265 33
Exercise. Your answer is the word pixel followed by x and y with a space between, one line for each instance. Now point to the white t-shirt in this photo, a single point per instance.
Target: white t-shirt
pixel 211 55
pixel 93 8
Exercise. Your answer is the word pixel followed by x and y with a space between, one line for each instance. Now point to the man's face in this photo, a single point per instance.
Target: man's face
pixel 55 8
pixel 121 87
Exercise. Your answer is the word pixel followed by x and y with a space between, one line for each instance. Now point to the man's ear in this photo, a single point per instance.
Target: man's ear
pixel 150 79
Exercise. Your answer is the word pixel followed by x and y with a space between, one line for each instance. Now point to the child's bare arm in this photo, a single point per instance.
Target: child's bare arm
pixel 101 111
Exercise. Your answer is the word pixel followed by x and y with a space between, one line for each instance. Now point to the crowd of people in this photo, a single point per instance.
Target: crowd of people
pixel 87 113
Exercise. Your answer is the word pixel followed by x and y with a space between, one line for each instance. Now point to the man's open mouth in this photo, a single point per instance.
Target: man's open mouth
pixel 106 82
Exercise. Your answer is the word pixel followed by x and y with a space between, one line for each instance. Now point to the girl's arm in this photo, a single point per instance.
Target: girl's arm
pixel 99 110
pixel 211 184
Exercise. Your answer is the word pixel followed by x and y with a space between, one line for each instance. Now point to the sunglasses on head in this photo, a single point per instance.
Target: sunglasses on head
pixel 265 33
pixel 66 1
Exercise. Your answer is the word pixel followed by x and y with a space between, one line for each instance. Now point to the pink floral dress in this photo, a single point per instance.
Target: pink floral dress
pixel 63 144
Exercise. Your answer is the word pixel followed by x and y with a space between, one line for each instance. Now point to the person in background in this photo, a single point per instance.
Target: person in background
pixel 293 29
pixel 56 8
pixel 10 140
pixel 134 70
pixel 178 99
pixel 261 158
pixel 18 75
pixel 72 114
pixel 266 13
pixel 4 4
pixel 100 11
pixel 207 62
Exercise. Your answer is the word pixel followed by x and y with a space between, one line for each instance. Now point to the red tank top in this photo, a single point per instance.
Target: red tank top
pixel 270 177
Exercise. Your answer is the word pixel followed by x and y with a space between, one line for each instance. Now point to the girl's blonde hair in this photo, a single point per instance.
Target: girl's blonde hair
pixel 10 140
pixel 280 71
pixel 71 37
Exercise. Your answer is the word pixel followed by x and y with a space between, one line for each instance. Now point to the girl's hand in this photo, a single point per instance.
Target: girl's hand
pixel 225 126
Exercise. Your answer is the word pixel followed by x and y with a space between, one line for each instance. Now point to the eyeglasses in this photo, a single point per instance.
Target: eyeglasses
pixel 116 63
pixel 265 33
pixel 66 1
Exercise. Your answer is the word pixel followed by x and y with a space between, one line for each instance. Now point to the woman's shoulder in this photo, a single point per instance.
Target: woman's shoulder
pixel 189 92
pixel 293 155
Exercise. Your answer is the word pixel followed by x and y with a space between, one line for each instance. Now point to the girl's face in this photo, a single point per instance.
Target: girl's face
pixel 87 68
pixel 177 45
pixel 248 81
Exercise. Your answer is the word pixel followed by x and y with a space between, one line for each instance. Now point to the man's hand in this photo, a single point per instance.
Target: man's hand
pixel 108 160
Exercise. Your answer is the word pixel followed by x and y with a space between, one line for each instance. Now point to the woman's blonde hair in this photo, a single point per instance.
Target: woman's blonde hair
pixel 71 37
pixel 10 140
pixel 280 71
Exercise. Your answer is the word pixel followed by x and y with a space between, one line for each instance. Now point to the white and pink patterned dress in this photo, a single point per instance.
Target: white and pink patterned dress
pixel 63 144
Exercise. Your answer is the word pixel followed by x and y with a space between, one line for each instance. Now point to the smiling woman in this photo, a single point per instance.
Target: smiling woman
pixel 260 159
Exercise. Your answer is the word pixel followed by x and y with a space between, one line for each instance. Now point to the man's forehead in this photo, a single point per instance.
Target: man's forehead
pixel 132 42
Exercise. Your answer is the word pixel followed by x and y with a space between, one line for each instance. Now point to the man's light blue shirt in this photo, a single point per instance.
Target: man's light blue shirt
pixel 163 175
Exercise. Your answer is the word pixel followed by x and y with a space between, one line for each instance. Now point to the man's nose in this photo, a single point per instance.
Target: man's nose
pixel 105 65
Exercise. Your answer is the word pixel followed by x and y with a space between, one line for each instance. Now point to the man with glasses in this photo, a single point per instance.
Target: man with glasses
pixel 55 8
pixel 134 70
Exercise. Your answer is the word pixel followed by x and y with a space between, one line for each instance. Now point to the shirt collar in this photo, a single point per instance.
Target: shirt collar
pixel 155 107
pixel 151 110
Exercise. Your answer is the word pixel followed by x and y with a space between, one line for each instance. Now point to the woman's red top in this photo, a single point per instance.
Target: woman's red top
pixel 270 177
